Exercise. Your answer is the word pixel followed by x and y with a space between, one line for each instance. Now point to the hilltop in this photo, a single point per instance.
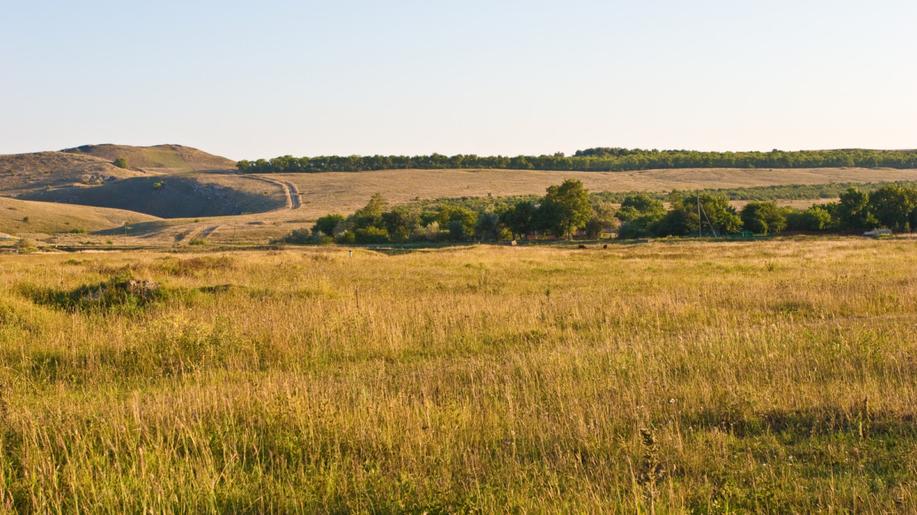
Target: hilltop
pixel 176 158
pixel 170 181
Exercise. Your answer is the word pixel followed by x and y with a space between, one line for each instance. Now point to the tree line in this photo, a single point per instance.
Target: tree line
pixel 569 211
pixel 594 159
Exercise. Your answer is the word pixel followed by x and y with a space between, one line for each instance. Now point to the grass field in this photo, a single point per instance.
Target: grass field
pixel 26 217
pixel 345 192
pixel 775 376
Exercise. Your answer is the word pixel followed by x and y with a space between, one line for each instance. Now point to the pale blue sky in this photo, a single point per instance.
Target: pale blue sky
pixel 259 79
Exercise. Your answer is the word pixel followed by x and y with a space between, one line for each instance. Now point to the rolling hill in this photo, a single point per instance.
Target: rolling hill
pixel 159 158
pixel 175 196
pixel 24 173
pixel 28 217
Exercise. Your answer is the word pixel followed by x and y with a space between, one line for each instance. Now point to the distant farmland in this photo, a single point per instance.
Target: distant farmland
pixel 327 192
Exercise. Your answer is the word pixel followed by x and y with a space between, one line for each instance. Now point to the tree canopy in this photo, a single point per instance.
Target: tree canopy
pixel 594 159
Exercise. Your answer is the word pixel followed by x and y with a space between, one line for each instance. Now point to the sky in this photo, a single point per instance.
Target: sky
pixel 259 79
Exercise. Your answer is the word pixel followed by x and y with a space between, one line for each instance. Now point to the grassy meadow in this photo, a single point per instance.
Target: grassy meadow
pixel 775 376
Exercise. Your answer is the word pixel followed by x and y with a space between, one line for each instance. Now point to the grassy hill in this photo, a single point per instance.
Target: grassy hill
pixel 28 217
pixel 23 173
pixel 175 196
pixel 158 157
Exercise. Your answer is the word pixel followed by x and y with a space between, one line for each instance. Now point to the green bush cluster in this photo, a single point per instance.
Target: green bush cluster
pixel 569 211
pixel 595 159
pixel 892 206
pixel 564 211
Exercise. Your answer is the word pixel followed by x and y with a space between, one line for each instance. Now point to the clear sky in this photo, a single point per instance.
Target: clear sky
pixel 259 79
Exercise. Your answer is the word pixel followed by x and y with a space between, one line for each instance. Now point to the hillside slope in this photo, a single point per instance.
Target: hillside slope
pixel 24 173
pixel 27 217
pixel 176 158
pixel 175 196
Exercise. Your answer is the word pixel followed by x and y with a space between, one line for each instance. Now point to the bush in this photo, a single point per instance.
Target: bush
pixel 122 292
pixel 346 237
pixel 327 225
pixel 642 227
pixel 814 219
pixel 640 205
pixel 298 237
pixel 26 246
pixel 371 234
pixel 120 162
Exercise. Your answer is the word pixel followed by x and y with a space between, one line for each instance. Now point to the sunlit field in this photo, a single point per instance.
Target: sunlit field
pixel 769 376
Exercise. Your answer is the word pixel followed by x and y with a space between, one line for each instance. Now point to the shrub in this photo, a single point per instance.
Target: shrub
pixel 814 219
pixel 602 220
pixel 640 205
pixel 326 225
pixel 488 227
pixel 401 223
pixel 641 227
pixel 26 246
pixel 298 237
pixel 120 162
pixel 371 234
pixel 121 292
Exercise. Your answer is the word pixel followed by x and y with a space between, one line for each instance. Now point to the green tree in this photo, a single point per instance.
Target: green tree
pixel 327 224
pixel 715 215
pixel 893 206
pixel 371 234
pixel 813 219
pixel 853 211
pixel 401 223
pixel 636 206
pixel 565 208
pixel 120 162
pixel 488 227
pixel 763 218
pixel 371 214
pixel 602 220
pixel 520 218
pixel 459 221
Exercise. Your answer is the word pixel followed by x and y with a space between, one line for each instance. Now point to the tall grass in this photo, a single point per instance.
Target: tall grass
pixel 769 376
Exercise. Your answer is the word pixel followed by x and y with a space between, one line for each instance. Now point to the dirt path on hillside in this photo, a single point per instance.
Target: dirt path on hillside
pixel 294 201
pixel 198 233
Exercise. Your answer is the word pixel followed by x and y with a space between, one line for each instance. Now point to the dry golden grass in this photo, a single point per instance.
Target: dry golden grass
pixel 774 376
pixel 25 173
pixel 160 158
pixel 27 217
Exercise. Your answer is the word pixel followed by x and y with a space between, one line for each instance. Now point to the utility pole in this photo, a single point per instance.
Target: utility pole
pixel 700 221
